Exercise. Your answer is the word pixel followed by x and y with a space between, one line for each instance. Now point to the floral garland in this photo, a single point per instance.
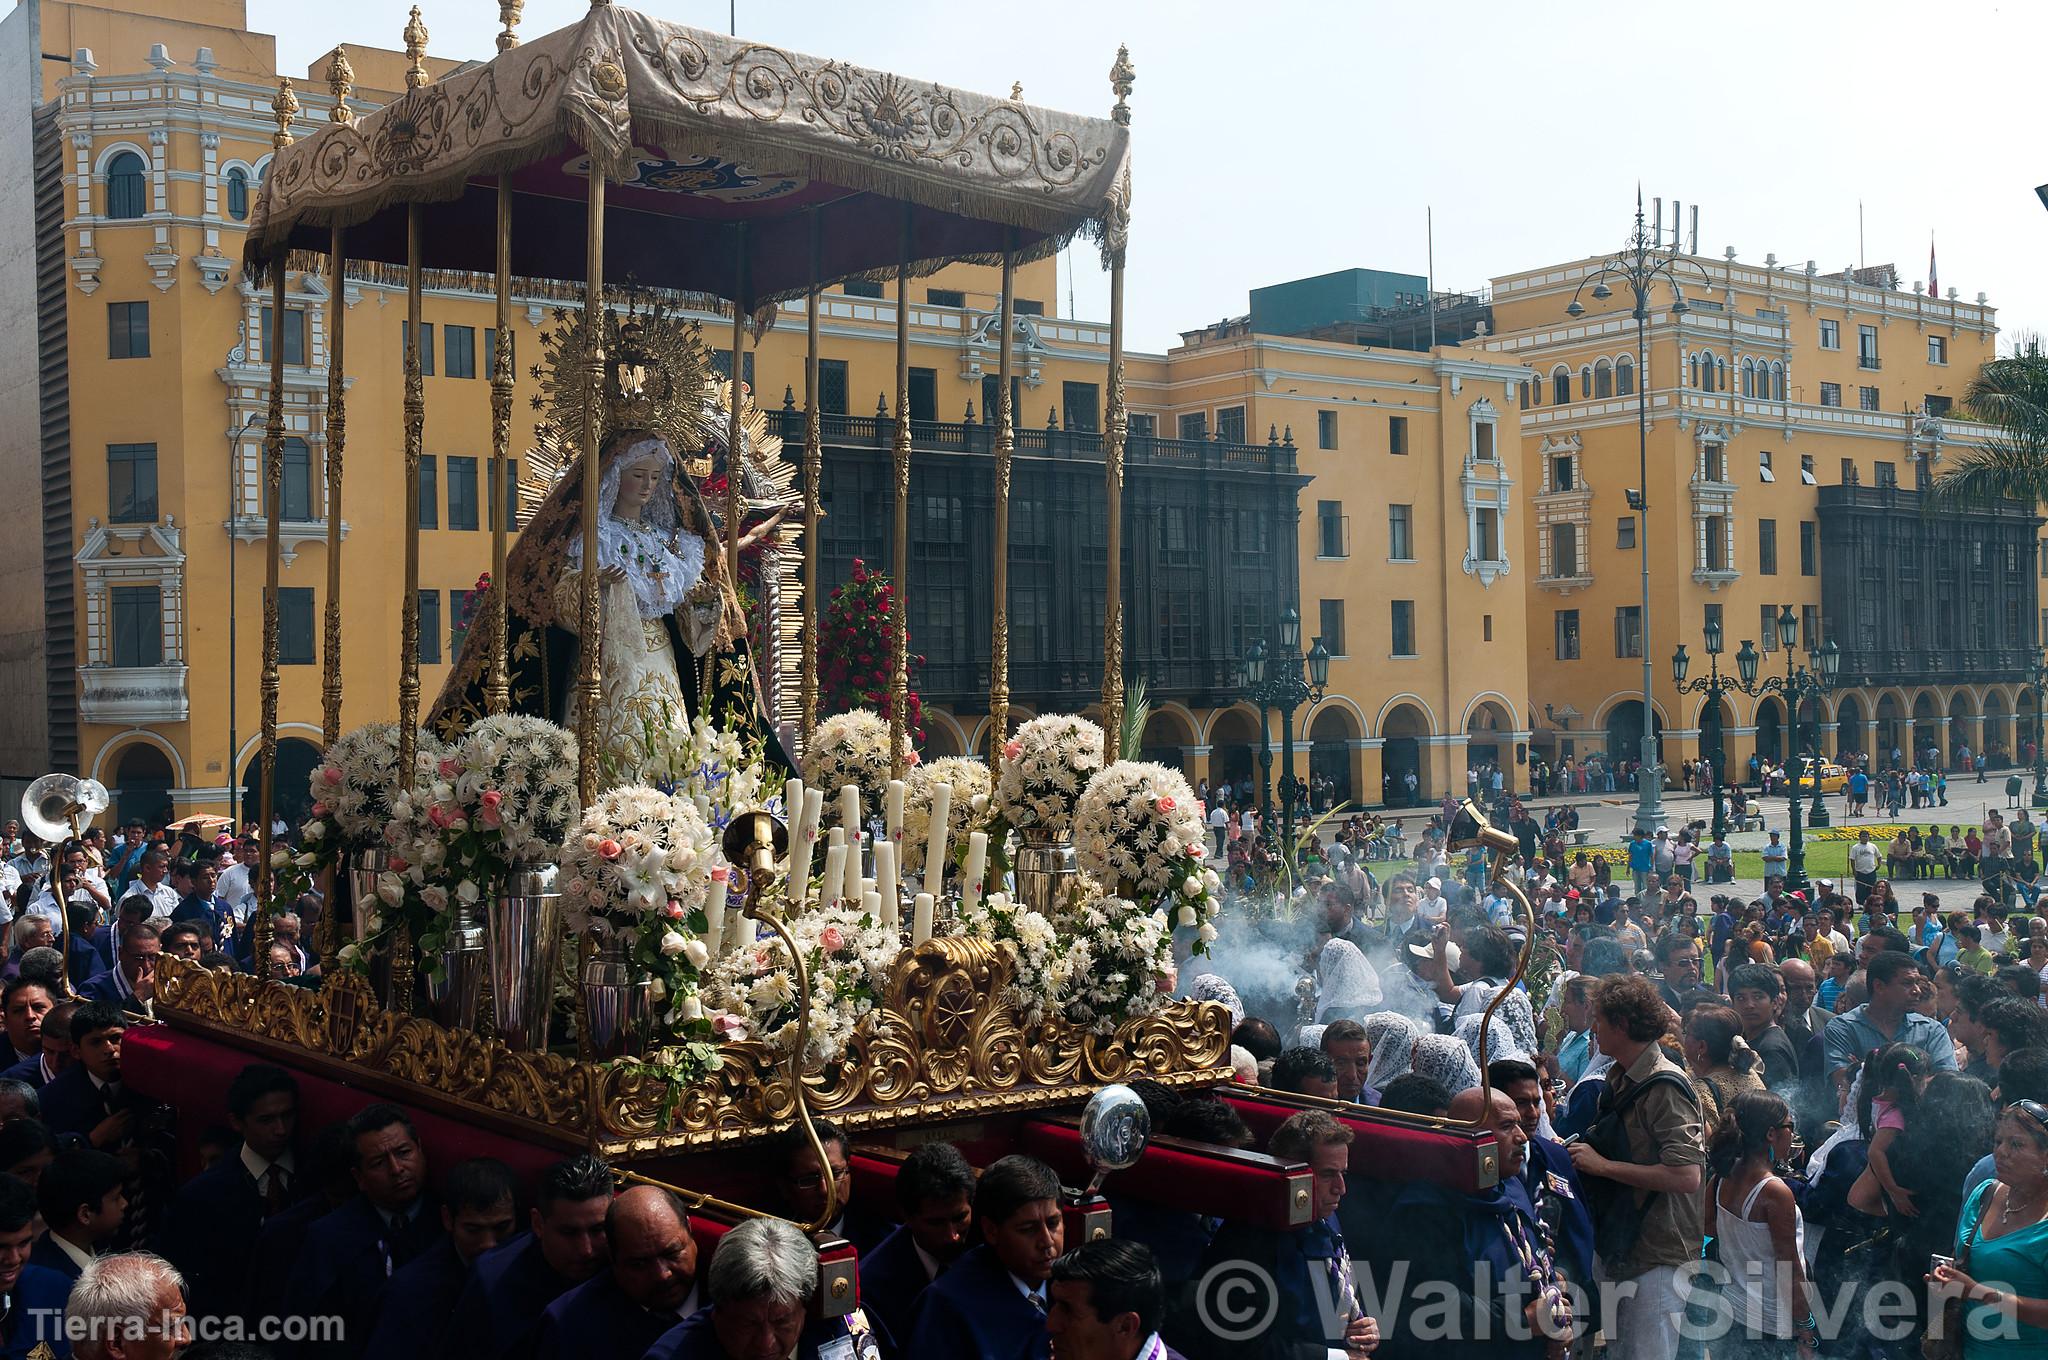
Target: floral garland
pixel 636 867
pixel 356 786
pixel 1138 825
pixel 968 812
pixel 851 748
pixel 1045 963
pixel 854 649
pixel 1045 768
pixel 1122 955
pixel 751 992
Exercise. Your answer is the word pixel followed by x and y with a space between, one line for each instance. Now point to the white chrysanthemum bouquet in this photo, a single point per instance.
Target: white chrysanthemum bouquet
pixel 1046 765
pixel 1122 959
pixel 970 809
pixel 751 993
pixel 852 748
pixel 1139 826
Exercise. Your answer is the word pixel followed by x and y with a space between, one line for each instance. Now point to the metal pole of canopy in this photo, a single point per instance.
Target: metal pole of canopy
pixel 899 641
pixel 1005 447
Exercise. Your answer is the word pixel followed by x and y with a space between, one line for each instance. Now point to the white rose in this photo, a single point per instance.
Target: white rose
pixel 697 953
pixel 691 1009
pixel 1207 934
pixel 671 944
pixel 348 955
pixel 390 889
pixel 658 989
pixel 1191 886
pixel 435 897
pixel 467 892
pixel 1210 880
pixel 315 830
pixel 1187 916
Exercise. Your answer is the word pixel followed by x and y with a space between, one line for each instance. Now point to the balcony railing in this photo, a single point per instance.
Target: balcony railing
pixel 133 694
pixel 973 436
pixel 1868 361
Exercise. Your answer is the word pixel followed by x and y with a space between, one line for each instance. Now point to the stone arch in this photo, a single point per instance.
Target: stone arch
pixel 1889 713
pixel 296 759
pixel 943 735
pixel 1928 716
pixel 1406 697
pixel 1331 731
pixel 1405 727
pixel 1849 720
pixel 142 770
pixel 103 766
pixel 1490 734
pixel 1232 737
pixel 1169 732
pixel 1996 730
pixel 1768 718
pixel 1964 708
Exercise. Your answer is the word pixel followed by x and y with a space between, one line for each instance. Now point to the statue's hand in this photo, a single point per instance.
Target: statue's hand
pixel 611 576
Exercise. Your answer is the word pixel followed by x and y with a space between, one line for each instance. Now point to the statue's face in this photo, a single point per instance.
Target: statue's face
pixel 637 485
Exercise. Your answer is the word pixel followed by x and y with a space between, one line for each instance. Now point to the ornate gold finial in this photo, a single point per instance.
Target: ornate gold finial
pixel 286 107
pixel 1121 77
pixel 415 51
pixel 341 82
pixel 1016 91
pixel 508 15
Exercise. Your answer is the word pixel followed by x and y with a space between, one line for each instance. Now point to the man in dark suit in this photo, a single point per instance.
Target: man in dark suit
pixel 415 1319
pixel 1312 1309
pixel 23 1004
pixel 352 1252
pixel 800 1182
pixel 31 1297
pixel 217 1215
pixel 991 1305
pixel 650 1285
pixel 512 1285
pixel 82 1198
pixel 1106 1302
pixel 131 982
pixel 935 1191
pixel 56 1055
pixel 762 1279
pixel 327 1184
pixel 1548 1176
pixel 87 1100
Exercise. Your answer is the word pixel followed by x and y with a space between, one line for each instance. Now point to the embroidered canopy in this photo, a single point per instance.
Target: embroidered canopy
pixel 698 133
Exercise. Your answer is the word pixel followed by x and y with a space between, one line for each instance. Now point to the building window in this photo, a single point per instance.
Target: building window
pixel 1769 626
pixel 1866 398
pixel 1714 463
pixel 1624 376
pixel 1830 335
pixel 1809 626
pixel 459 342
pixel 1482 440
pixel 1194 425
pixel 1625 532
pixel 1849 477
pixel 721 364
pixel 295 626
pixel 1230 424
pixel 945 297
pixel 1866 347
pixel 461 492
pixel 297 485
pixel 1808 549
pixel 1333 627
pixel 126 198
pixel 1028 307
pixel 1079 411
pixel 1326 429
pixel 238 194
pixel 1486 627
pixel 1560 385
pixel 861 288
pixel 294 335
pixel 1486 536
pixel 491 490
pixel 1830 394
pixel 1937 349
pixel 1397 434
pixel 1764 471
pixel 1564 550
pixel 1767 547
pixel 1806 476
pixel 1603 379
pixel 832 387
pixel 138 625
pixel 1628 631
pixel 1937 405
pixel 924 394
pixel 430 627
pixel 1400 533
pixel 127 330
pixel 1888 476
pixel 1561 478
pixel 1716 555
pixel 426 346
pixel 1331 529
pixel 1143 426
pixel 131 484
pixel 1404 627
pixel 1567 633
pixel 430 493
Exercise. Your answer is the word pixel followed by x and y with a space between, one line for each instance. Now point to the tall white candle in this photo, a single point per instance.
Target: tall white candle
pixel 792 804
pixel 892 809
pixel 714 910
pixel 885 882
pixel 835 866
pixel 850 887
pixel 921 919
pixel 803 842
pixel 972 871
pixel 849 812
pixel 871 906
pixel 935 847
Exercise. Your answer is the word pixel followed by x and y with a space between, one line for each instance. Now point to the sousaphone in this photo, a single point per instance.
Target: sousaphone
pixel 52 808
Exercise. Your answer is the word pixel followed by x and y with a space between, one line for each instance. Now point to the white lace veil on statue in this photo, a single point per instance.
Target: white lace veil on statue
pixel 661 563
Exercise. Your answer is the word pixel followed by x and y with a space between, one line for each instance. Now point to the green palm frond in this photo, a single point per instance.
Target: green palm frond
pixel 1137 712
pixel 1997 470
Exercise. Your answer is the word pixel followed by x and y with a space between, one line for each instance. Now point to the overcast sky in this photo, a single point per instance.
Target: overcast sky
pixel 1288 138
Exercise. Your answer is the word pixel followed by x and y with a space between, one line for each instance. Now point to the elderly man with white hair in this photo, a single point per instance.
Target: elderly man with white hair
pixel 127 1307
pixel 763 1276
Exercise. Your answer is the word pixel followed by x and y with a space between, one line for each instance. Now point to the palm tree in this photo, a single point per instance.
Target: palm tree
pixel 2012 395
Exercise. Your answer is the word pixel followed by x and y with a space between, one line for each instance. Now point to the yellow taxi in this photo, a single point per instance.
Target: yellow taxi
pixel 1832 776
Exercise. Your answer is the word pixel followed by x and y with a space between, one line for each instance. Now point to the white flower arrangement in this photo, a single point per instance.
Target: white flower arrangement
pixel 751 992
pixel 973 792
pixel 1045 962
pixel 720 770
pixel 1122 956
pixel 851 748
pixel 636 858
pixel 357 785
pixel 513 779
pixel 1138 825
pixel 1046 765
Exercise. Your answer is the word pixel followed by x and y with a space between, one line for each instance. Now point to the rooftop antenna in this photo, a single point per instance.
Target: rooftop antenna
pixel 1860 259
pixel 1429 288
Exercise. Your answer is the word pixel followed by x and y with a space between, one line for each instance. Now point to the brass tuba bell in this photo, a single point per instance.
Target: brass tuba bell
pixel 54 805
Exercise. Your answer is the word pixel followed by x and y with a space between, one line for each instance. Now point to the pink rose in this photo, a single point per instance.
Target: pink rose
pixel 438 816
pixel 674 910
pixel 490 818
pixel 1165 803
pixel 319 809
pixel 331 774
pixel 491 798
pixel 607 848
pixel 450 767
pixel 830 940
pixel 720 874
pixel 729 1027
pixel 399 864
pixel 1012 749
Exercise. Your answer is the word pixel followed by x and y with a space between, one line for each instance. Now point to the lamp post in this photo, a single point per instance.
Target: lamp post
pixel 1284 680
pixel 2037 680
pixel 1714 687
pixel 1797 685
pixel 1640 265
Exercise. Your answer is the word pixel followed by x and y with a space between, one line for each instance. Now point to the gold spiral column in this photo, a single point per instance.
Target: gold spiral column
pixel 590 627
pixel 286 107
pixel 1005 447
pixel 1121 77
pixel 899 644
pixel 497 685
pixel 814 472
pixel 735 460
pixel 340 81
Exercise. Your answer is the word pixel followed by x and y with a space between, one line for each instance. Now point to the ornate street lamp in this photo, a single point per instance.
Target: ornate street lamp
pixel 1714 687
pixel 1798 685
pixel 1285 681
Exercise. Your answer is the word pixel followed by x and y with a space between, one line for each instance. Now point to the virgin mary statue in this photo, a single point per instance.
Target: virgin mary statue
pixel 673 637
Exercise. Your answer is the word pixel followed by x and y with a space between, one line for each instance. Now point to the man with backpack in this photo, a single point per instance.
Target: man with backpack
pixel 1641 1163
